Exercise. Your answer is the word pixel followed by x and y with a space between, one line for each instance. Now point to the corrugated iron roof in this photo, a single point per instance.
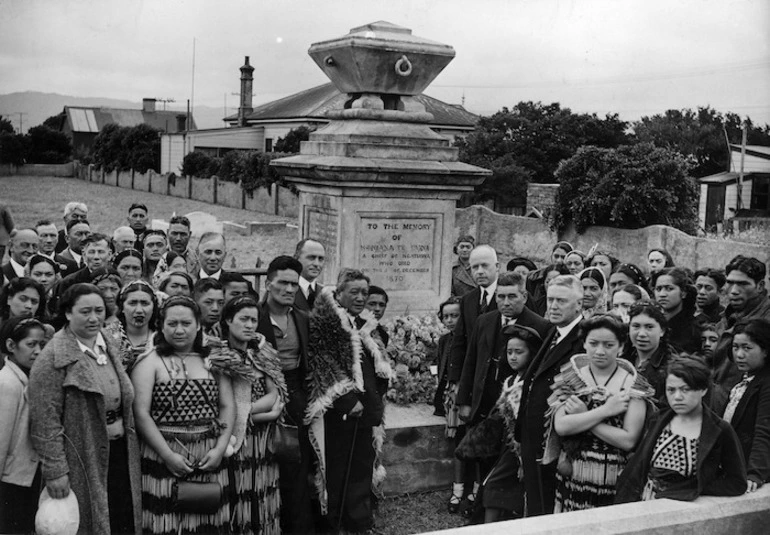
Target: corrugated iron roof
pixel 94 119
pixel 83 120
pixel 313 103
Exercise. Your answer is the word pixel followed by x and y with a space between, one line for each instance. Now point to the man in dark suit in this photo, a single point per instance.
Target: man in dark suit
pixel 312 255
pixel 564 311
pixel 137 220
pixel 377 304
pixel 485 367
pixel 96 254
pixel 73 211
pixel 288 331
pixel 21 247
pixel 71 257
pixel 484 268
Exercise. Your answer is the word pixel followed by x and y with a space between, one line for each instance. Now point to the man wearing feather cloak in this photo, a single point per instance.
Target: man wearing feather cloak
pixel 348 375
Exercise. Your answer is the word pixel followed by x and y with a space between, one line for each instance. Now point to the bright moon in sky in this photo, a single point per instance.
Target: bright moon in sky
pixel 279 40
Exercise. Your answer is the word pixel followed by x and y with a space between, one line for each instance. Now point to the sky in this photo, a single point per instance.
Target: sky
pixel 630 57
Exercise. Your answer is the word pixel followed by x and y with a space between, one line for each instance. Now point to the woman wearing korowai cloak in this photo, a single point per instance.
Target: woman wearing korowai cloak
pixel 348 376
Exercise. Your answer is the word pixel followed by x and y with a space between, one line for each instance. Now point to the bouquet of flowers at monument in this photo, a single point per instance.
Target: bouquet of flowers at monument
pixel 412 351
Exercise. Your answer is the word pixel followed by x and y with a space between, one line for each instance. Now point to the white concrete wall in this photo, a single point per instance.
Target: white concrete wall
pixel 751 164
pixel 708 515
pixel 731 197
pixel 702 205
pixel 173 147
pixel 171 152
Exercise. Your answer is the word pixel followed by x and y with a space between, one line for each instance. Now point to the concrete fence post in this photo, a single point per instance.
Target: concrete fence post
pixel 274 195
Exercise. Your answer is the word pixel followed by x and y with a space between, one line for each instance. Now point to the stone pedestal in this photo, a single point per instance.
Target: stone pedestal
pixel 383 203
pixel 377 186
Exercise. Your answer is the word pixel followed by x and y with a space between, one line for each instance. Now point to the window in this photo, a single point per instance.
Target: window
pixel 760 192
pixel 268 144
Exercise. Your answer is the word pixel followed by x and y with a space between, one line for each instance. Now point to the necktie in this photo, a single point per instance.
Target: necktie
pixel 484 302
pixel 311 295
pixel 556 338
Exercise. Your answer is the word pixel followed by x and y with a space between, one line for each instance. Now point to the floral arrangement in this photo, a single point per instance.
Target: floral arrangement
pixel 412 350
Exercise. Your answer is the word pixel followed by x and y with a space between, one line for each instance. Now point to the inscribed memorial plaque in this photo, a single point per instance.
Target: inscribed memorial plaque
pixel 398 252
pixel 322 225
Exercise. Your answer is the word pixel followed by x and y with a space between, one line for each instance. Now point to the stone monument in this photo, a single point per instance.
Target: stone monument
pixel 377 186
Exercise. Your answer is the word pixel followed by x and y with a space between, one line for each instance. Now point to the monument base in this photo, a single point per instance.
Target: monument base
pixel 381 196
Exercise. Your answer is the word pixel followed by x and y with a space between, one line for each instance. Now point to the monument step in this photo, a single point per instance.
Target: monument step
pixel 416 454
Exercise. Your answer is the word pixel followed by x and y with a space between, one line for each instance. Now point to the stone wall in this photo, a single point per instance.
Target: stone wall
pixel 38 169
pixel 530 237
pixel 278 200
pixel 541 197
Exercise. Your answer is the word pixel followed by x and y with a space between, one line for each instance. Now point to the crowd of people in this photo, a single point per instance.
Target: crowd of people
pixel 168 396
pixel 163 392
pixel 593 381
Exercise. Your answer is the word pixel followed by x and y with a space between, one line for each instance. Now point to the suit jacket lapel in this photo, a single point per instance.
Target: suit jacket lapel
pixel 552 356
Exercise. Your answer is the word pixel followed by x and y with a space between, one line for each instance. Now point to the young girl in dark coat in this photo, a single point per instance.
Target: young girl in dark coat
pixel 688 450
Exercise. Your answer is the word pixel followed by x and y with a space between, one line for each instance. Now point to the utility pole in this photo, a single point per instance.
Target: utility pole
pixel 164 101
pixel 21 114
pixel 740 173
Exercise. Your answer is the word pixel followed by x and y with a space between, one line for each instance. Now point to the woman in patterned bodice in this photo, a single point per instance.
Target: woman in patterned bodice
pixel 599 409
pixel 185 417
pixel 688 450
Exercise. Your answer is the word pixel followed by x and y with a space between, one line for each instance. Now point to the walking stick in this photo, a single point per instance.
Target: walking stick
pixel 347 475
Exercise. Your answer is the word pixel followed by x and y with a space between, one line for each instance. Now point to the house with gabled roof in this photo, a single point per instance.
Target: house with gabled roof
pixel 719 199
pixel 82 124
pixel 259 128
pixel 309 108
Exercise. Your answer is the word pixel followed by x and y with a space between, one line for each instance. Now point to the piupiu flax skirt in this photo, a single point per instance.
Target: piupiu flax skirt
pixel 158 516
pixel 257 508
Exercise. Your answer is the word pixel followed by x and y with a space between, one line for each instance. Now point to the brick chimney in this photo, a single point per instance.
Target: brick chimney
pixel 181 122
pixel 148 105
pixel 247 83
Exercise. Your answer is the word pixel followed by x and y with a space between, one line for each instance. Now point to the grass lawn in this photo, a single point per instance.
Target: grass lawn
pixel 415 513
pixel 33 198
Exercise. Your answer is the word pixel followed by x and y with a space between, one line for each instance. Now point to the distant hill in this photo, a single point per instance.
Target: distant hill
pixel 37 107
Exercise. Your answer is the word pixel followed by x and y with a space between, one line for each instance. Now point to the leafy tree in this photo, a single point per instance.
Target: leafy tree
pixel 699 135
pixel 528 142
pixel 48 146
pixel 200 164
pixel 120 147
pixel 108 147
pixel 629 187
pixel 14 148
pixel 55 122
pixel 142 147
pixel 291 143
pixel 6 125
